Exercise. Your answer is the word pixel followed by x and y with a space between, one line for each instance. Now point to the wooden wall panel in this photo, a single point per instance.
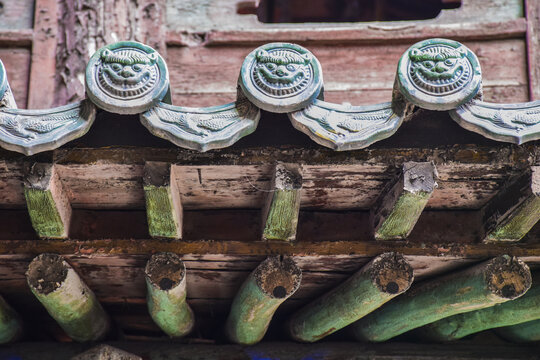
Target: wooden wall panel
pixel 16 14
pixel 358 74
pixel 17 63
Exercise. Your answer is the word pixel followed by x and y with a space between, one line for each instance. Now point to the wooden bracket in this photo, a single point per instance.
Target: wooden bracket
pixel 47 202
pixel 163 204
pixel 280 215
pixel 514 210
pixel 398 210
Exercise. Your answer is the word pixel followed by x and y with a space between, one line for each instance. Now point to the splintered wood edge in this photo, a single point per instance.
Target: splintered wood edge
pixel 165 271
pixel 47 272
pixel 391 273
pixel 278 277
pixel 508 277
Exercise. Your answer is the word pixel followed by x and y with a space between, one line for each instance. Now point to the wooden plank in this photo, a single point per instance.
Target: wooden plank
pixel 22 37
pixel 16 15
pixel 220 22
pixel 17 64
pixel 532 13
pixel 352 73
pixel 42 71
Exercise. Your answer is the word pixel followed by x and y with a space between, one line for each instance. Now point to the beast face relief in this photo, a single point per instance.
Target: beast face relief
pixel 126 78
pixel 281 77
pixel 439 74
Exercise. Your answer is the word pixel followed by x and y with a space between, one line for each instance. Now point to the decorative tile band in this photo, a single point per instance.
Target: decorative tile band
pixel 132 78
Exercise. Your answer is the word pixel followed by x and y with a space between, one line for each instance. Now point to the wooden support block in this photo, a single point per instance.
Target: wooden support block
pixel 67 298
pixel 398 210
pixel 163 204
pixel 106 352
pixel 522 310
pixel 514 210
pixel 382 279
pixel 487 284
pixel 166 296
pixel 48 204
pixel 253 307
pixel 10 323
pixel 280 215
pixel 526 332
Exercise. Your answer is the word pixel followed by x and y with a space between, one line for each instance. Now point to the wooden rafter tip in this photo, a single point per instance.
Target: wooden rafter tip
pixel 253 307
pixel 165 277
pixel 67 298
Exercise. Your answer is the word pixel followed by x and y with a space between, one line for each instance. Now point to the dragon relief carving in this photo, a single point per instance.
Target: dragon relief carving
pixel 32 131
pixel 127 73
pixel 281 72
pixel 517 123
pixel 204 128
pixel 439 69
pixel 344 127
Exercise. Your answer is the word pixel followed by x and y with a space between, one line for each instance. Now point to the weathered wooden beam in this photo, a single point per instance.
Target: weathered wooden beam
pixel 489 283
pixel 280 215
pixel 524 309
pixel 532 13
pixel 514 210
pixel 48 204
pixel 41 89
pixel 382 279
pixel 10 323
pixel 526 332
pixel 398 210
pixel 166 296
pixel 106 352
pixel 163 204
pixel 67 298
pixel 253 307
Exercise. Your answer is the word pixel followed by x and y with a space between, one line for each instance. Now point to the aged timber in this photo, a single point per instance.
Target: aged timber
pixel 166 286
pixel 492 282
pixel 521 310
pixel 163 205
pixel 265 289
pixel 400 207
pixel 67 298
pixel 382 279
pixel 280 215
pixel 47 202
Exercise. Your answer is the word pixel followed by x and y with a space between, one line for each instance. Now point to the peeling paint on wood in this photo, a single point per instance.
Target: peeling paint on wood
pixel 382 279
pixel 487 284
pixel 269 285
pixel 67 298
pixel 166 296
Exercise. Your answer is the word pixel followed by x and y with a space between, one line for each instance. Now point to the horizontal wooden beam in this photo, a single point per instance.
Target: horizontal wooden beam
pixel 106 352
pixel 400 206
pixel 47 202
pixel 22 37
pixel 231 247
pixel 515 209
pixel 155 350
pixel 359 33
